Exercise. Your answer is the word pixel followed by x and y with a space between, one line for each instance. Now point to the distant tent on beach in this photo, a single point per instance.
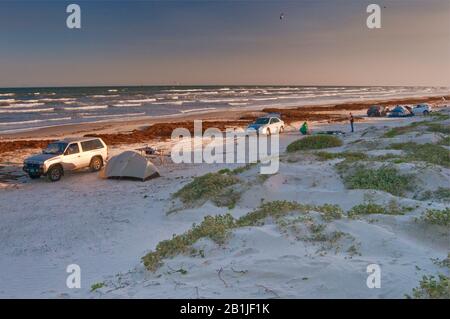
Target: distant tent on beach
pixel 130 165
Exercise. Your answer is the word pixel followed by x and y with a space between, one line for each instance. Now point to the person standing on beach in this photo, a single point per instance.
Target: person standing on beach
pixel 351 121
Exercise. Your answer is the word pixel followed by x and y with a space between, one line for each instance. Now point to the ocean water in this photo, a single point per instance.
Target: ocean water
pixel 29 108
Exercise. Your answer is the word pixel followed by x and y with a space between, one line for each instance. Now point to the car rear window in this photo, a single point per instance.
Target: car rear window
pixel 91 145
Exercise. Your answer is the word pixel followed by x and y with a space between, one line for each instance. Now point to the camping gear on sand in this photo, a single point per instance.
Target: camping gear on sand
pixel 377 111
pixel 130 165
pixel 304 129
pixel 400 111
pixel 329 133
pixel 153 153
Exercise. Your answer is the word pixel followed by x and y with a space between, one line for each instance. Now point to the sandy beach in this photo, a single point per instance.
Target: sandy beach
pixel 225 158
pixel 107 226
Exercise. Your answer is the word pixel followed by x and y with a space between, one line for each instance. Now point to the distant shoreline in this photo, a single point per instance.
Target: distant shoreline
pixel 120 125
pixel 154 129
pixel 66 110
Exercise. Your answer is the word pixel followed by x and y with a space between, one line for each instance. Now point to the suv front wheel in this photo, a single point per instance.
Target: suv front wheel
pixel 54 173
pixel 96 164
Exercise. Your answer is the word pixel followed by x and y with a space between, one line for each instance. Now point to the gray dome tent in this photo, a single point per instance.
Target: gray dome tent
pixel 130 165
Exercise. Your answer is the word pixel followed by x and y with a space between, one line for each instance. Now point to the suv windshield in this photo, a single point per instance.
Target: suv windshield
pixel 55 148
pixel 262 121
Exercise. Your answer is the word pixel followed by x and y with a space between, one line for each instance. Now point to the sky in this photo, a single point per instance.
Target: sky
pixel 167 42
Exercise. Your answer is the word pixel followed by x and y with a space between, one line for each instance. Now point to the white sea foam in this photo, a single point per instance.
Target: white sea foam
pixel 24 104
pixel 223 100
pixel 103 96
pixel 88 107
pixel 209 93
pixel 7 94
pixel 170 103
pixel 62 99
pixel 36 121
pixel 238 104
pixel 112 90
pixel 7 101
pixel 198 110
pixel 127 105
pixel 88 116
pixel 184 90
pixel 139 100
pixel 26 111
pixel 265 98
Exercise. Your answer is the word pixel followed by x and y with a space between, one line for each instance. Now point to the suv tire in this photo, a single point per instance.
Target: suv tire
pixel 54 173
pixel 96 164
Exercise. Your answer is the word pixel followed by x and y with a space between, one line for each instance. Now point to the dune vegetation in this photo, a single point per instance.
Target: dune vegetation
pixel 385 178
pixel 314 142
pixel 217 228
pixel 436 217
pixel 431 287
pixel 211 186
pixel 430 153
pixel 393 208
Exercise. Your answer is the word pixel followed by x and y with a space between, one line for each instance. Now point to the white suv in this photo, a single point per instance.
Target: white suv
pixel 67 155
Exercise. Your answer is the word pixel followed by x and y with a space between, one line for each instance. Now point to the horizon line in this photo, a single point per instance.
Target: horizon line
pixel 211 85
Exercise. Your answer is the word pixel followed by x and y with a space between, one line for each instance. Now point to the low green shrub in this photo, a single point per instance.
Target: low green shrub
pixel 214 227
pixel 436 216
pixel 432 126
pixel 208 186
pixel 97 285
pixel 441 193
pixel 237 170
pixel 275 209
pixel 431 287
pixel 227 198
pixel 314 142
pixel 399 130
pixel 430 153
pixel 438 116
pixel 385 178
pixel 439 128
pixel 393 208
pixel 330 212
